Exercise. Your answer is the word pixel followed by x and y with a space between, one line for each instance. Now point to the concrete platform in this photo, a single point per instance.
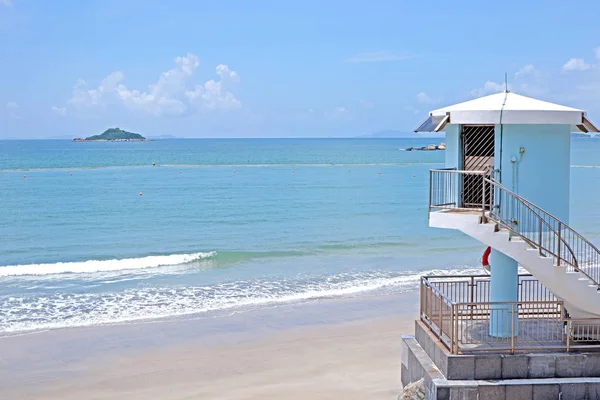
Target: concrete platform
pixel 540 375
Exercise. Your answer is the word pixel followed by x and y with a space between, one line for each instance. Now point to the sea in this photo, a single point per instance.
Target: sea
pixel 108 233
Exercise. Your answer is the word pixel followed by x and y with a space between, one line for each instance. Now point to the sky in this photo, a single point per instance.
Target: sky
pixel 258 68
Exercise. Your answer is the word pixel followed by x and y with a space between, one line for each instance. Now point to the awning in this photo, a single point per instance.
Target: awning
pixel 509 109
pixel 433 123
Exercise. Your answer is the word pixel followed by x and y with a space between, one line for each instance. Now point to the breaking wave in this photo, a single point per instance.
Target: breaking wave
pixel 91 266
pixel 21 313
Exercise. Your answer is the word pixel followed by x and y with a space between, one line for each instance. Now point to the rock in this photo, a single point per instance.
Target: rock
pixel 431 147
pixel 413 391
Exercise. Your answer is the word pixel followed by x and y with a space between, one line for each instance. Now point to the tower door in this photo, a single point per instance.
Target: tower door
pixel 477 155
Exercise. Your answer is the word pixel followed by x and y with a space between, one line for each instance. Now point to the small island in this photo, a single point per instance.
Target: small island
pixel 431 147
pixel 113 135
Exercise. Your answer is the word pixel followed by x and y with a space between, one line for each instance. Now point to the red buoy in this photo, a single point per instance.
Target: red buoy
pixel 486 255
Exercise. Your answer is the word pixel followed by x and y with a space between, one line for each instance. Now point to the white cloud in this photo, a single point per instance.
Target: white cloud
pixel 225 73
pixel 88 98
pixel 412 109
pixel 170 95
pixel 573 89
pixel 187 64
pixel 213 95
pixel 489 87
pixel 424 98
pixel 576 64
pixel 11 108
pixel 526 70
pixel 366 104
pixel 378 56
pixel 6 3
pixel 338 113
pixel 164 96
pixel 62 111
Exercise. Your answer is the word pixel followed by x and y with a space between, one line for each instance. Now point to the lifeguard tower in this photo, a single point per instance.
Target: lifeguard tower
pixel 506 183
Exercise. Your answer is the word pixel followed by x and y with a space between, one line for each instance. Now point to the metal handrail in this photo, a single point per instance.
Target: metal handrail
pixel 562 236
pixel 530 206
pixel 536 211
pixel 550 216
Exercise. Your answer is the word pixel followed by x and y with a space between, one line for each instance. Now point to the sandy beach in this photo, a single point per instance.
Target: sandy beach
pixel 332 349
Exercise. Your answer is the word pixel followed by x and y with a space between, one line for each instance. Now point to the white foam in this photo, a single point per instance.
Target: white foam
pixel 102 265
pixel 61 310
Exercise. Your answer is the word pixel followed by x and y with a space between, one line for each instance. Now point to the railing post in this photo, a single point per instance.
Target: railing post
pixel 456 322
pixel 452 328
pixel 491 195
pixel 569 327
pixel 559 246
pixel 429 306
pixel 441 316
pixel 471 296
pixel 421 299
pixel 430 187
pixel 483 199
pixel 512 328
pixel 540 236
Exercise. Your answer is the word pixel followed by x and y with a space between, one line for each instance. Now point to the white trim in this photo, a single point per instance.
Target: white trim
pixel 506 108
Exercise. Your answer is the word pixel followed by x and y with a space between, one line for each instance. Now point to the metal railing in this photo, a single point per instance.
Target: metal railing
pixel 458 312
pixel 540 229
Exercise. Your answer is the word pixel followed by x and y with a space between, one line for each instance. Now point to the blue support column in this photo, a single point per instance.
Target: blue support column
pixel 503 288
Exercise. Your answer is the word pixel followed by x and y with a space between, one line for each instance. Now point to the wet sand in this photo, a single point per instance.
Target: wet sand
pixel 346 349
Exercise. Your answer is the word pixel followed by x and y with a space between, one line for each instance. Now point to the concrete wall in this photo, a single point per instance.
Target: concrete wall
pixel 497 376
pixel 541 174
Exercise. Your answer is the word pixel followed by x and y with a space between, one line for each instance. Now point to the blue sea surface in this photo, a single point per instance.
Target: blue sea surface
pixel 94 233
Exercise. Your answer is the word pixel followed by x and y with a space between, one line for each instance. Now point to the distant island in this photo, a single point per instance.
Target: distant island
pixel 113 135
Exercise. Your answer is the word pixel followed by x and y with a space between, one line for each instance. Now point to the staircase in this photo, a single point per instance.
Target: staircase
pixel 559 257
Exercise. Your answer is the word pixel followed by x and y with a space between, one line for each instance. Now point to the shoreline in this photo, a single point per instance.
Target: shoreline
pixel 345 347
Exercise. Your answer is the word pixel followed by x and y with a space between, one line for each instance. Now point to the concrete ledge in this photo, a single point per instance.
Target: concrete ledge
pixel 484 366
pixel 497 376
pixel 516 389
pixel 416 364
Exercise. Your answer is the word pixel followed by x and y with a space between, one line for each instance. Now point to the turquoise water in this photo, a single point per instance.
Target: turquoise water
pixel 92 233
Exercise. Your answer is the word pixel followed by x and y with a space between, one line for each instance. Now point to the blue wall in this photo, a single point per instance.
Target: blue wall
pixel 504 287
pixel 453 153
pixel 542 173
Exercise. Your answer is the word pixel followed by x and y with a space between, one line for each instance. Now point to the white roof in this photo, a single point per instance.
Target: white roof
pixel 507 108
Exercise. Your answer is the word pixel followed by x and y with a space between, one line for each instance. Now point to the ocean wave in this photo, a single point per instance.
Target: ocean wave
pixel 61 310
pixel 92 266
pixel 262 165
pixel 377 164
